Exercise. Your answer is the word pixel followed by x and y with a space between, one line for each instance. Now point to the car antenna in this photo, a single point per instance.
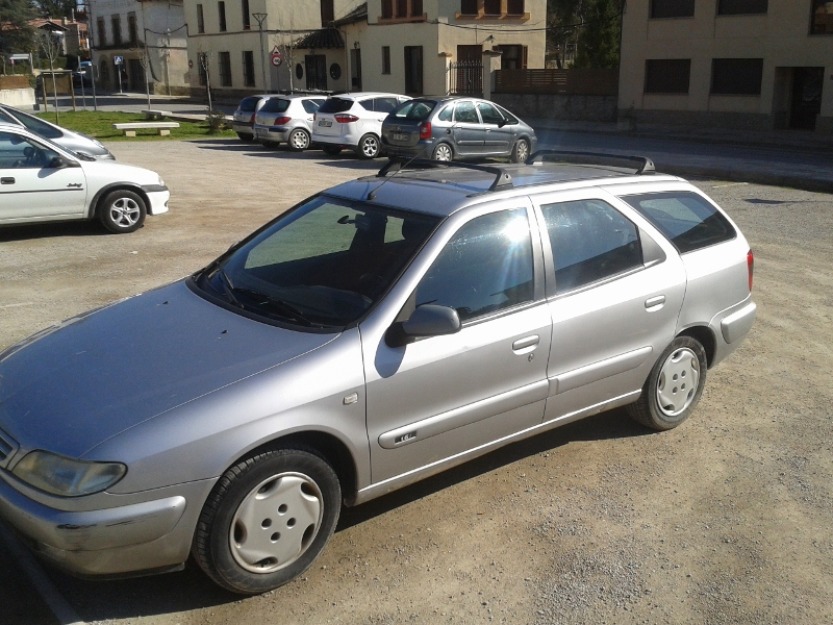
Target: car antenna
pixel 394 165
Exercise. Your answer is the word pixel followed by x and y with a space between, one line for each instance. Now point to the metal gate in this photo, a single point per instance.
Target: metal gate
pixel 465 78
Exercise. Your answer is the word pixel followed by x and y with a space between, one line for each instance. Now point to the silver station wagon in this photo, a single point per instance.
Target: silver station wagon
pixel 377 333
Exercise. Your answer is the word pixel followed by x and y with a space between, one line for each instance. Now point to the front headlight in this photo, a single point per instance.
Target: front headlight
pixel 67 477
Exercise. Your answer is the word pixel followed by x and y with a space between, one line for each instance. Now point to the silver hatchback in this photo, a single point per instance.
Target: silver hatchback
pixel 288 377
pixel 287 119
pixel 450 128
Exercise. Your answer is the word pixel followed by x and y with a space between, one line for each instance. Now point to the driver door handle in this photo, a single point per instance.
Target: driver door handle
pixel 7 180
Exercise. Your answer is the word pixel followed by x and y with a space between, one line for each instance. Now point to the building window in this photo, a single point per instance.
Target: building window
pixel 672 8
pixel 468 7
pixel 221 15
pixel 248 68
pixel 224 62
pixel 491 7
pixel 402 9
pixel 328 14
pixel 115 21
pixel 741 7
pixel 247 17
pixel 386 59
pixel 737 76
pixel 667 75
pixel 200 19
pixel 512 56
pixel 132 29
pixel 515 7
pixel 821 22
pixel 102 32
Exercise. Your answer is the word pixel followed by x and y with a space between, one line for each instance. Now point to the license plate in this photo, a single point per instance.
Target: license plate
pixel 400 136
pixel 326 123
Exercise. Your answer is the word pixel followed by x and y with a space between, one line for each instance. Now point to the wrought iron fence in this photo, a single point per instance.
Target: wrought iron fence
pixel 465 78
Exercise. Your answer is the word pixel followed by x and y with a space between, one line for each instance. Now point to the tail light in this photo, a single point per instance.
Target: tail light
pixel 750 265
pixel 344 118
pixel 252 120
pixel 280 121
pixel 425 130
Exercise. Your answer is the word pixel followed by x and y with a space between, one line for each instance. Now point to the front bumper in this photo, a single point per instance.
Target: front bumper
pixel 150 535
pixel 158 197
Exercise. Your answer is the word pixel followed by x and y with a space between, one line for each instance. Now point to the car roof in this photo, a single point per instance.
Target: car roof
pixel 360 95
pixel 442 188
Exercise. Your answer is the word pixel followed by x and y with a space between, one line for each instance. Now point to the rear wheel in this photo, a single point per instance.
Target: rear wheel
pixel 298 140
pixel 443 152
pixel 369 146
pixel 674 386
pixel 267 519
pixel 122 211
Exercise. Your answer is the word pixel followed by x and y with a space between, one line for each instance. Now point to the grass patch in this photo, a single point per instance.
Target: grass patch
pixel 99 124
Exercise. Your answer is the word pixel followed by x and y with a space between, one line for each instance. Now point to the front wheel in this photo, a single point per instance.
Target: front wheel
pixel 520 151
pixel 266 520
pixel 122 211
pixel 674 386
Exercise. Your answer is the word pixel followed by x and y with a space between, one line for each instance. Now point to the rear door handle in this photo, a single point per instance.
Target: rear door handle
pixel 653 302
pixel 527 343
pixel 6 180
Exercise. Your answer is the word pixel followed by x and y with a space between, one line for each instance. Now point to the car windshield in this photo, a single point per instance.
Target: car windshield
pixel 275 105
pixel 417 110
pixel 322 265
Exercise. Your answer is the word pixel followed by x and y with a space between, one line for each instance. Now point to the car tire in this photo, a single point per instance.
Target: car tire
pixel 122 211
pixel 442 152
pixel 331 150
pixel 674 386
pixel 298 140
pixel 520 151
pixel 369 146
pixel 267 519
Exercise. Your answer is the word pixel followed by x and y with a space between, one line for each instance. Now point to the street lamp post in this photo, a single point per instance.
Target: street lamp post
pixel 261 17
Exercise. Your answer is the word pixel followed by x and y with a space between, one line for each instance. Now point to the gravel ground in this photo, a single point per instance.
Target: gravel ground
pixel 724 520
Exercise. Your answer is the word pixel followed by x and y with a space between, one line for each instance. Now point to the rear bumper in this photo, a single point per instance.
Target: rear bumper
pixel 731 326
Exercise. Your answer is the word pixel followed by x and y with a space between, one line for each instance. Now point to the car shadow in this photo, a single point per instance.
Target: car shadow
pixel 26 232
pixel 608 425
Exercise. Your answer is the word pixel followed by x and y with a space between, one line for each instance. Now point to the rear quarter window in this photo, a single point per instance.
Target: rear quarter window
pixel 688 220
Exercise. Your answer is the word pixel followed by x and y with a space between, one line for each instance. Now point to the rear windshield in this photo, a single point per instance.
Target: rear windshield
pixel 275 105
pixel 336 105
pixel 688 220
pixel 417 110
pixel 249 104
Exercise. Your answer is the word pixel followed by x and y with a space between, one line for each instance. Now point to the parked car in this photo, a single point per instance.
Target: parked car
pixel 354 121
pixel 67 139
pixel 243 118
pixel 41 181
pixel 82 76
pixel 287 119
pixel 449 128
pixel 288 377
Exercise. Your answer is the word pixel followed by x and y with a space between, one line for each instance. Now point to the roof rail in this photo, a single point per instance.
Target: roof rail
pixel 646 165
pixel 502 178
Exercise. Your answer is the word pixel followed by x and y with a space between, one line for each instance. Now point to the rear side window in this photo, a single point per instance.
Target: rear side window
pixel 336 105
pixel 275 105
pixel 590 241
pixel 688 220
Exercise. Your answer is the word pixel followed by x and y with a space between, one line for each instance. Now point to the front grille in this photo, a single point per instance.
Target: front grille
pixel 7 448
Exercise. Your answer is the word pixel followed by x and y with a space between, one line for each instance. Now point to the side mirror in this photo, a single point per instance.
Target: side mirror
pixel 59 162
pixel 426 320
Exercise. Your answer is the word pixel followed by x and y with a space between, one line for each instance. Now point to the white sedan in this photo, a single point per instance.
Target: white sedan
pixel 40 181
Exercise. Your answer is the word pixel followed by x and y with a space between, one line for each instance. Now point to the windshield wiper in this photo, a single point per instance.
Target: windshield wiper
pixel 279 306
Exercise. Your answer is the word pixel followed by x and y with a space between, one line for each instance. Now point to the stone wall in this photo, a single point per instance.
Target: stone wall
pixel 565 107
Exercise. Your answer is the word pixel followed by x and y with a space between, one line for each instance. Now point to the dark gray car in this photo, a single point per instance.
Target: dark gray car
pixel 450 128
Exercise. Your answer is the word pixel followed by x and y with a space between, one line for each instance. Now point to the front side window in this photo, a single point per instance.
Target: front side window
pixel 486 267
pixel 489 113
pixel 18 152
pixel 590 241
pixel 321 265
pixel 686 219
pixel 466 113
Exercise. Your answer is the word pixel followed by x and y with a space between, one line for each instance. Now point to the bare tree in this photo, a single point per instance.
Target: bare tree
pixel 50 46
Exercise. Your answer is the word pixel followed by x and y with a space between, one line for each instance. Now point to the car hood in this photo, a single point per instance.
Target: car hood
pixel 74 386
